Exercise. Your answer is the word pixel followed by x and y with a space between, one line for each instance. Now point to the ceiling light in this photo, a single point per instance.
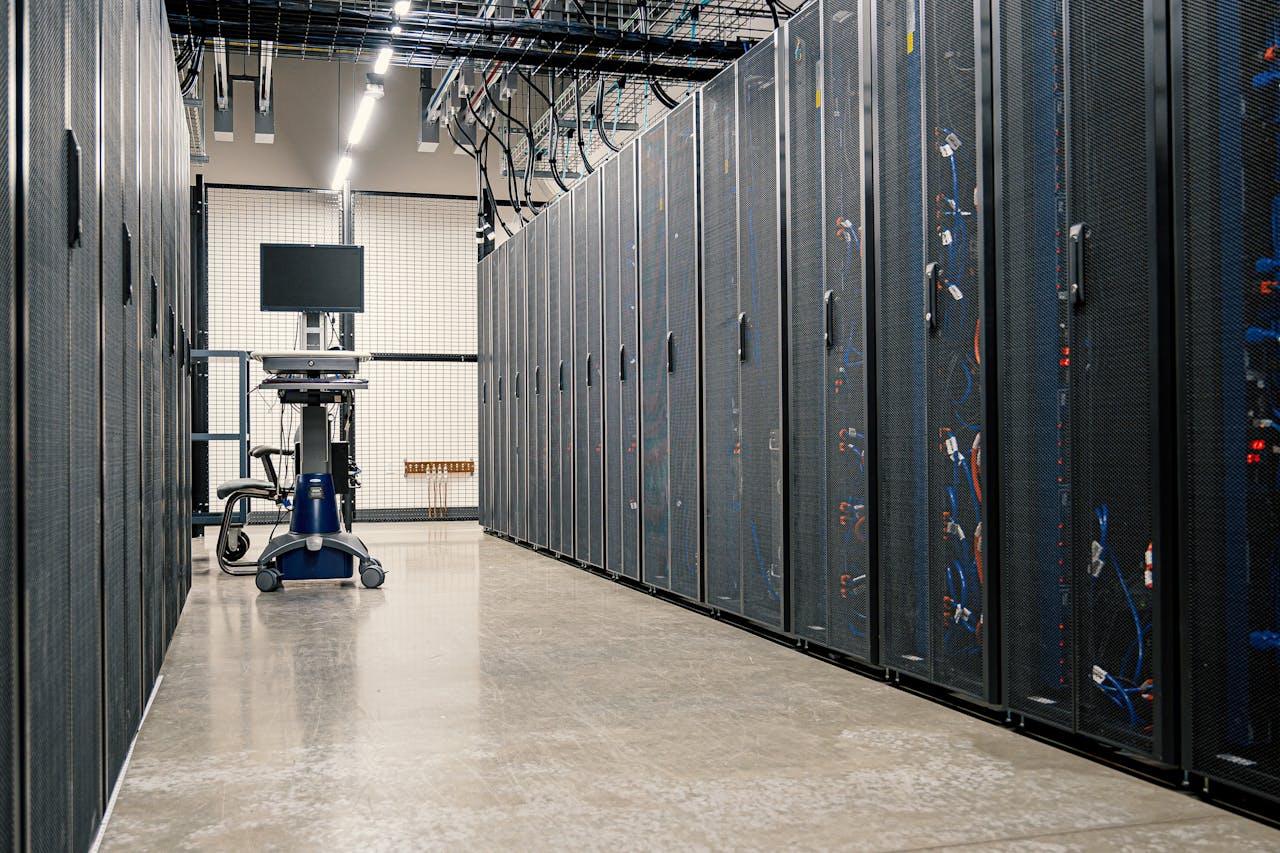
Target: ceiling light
pixel 397 30
pixel 383 61
pixel 340 174
pixel 361 122
pixel 401 7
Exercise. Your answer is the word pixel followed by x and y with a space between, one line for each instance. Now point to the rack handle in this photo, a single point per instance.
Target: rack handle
pixel 74 224
pixel 516 385
pixel 1076 237
pixel 671 352
pixel 537 381
pixel 829 319
pixel 742 336
pixel 561 377
pixel 931 297
pixel 622 363
pixel 499 389
pixel 588 370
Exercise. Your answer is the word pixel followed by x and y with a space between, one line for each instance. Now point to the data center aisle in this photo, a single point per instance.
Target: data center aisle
pixel 490 698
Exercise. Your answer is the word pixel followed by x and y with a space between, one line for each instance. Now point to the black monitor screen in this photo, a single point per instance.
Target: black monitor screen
pixel 312 278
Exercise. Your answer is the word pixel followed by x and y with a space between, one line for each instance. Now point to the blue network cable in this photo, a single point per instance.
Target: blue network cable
pixel 1122 689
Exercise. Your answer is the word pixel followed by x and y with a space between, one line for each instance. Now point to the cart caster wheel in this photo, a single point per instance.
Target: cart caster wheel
pixel 237 548
pixel 372 576
pixel 268 580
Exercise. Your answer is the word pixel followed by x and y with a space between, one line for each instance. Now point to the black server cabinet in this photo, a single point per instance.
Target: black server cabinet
pixel 1079 346
pixel 554 380
pixel 742 305
pixel 83 304
pixel 588 318
pixel 502 437
pixel 829 470
pixel 518 338
pixel 566 369
pixel 621 360
pixel 46 547
pixel 669 353
pixel 10 746
pixel 931 296
pixel 1227 192
pixel 482 388
pixel 537 309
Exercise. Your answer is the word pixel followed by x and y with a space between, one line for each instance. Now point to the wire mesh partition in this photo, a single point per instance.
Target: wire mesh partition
pixel 419 280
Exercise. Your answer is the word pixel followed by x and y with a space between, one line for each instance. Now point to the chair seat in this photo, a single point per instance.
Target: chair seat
pixel 257 488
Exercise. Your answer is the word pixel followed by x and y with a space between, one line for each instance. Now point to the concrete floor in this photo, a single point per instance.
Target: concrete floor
pixel 490 699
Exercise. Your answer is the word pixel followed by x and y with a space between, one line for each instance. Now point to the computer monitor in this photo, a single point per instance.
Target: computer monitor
pixel 310 278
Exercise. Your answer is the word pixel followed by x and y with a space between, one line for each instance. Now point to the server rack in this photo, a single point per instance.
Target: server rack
pixel 669 336
pixel 10 673
pixel 555 383
pixel 537 278
pixel 1079 342
pixel 1225 167
pixel 566 366
pixel 502 444
pixel 588 344
pixel 482 391
pixel 621 360
pixel 829 452
pixel 931 303
pixel 742 307
pixel 519 336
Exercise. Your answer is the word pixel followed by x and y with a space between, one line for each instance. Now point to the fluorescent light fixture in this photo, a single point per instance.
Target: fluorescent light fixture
pixel 397 30
pixel 401 7
pixel 340 174
pixel 383 62
pixel 364 112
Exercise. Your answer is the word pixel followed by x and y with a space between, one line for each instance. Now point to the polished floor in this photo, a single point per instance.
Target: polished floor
pixel 490 699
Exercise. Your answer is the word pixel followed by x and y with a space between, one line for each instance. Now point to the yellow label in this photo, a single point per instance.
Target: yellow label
pixel 726 165
pixel 660 201
pixel 911 42
pixel 817 99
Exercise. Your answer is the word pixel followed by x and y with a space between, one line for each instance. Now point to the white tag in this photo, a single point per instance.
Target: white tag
pixel 953 446
pixel 953 141
pixel 955 292
pixel 947 150
pixel 946 237
pixel 1099 674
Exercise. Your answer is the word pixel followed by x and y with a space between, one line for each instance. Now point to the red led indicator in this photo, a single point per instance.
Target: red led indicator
pixel 1253 458
pixel 1258 444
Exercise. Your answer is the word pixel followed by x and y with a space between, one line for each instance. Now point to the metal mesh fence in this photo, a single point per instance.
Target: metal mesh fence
pixel 419 281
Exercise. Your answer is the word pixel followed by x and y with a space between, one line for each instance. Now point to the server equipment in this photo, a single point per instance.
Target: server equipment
pixel 560 512
pixel 502 437
pixel 742 313
pixel 621 364
pixel 1227 201
pixel 518 340
pixel 1080 354
pixel 829 453
pixel 930 304
pixel 483 348
pixel 567 368
pixel 669 352
pixel 537 311
pixel 588 319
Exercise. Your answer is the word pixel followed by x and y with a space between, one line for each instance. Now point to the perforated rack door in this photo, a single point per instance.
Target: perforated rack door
pixel 568 365
pixel 592 367
pixel 682 319
pixel 760 370
pixel 721 423
pixel 1225 163
pixel 655 491
pixel 538 382
pixel 614 367
pixel 10 675
pixel 1079 638
pixel 482 384
pixel 929 374
pixel 505 422
pixel 628 484
pixel 520 387
pixel 555 434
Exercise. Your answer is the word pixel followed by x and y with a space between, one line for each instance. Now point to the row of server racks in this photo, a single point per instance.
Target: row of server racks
pixel 944 335
pixel 94 436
